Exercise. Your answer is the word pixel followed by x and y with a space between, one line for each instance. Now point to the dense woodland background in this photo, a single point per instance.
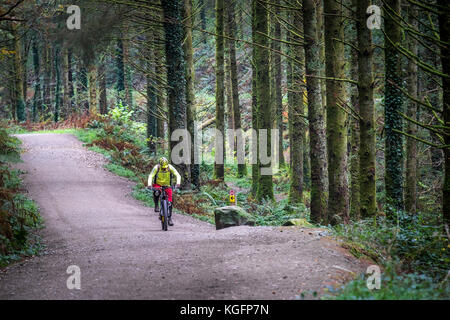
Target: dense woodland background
pixel 364 114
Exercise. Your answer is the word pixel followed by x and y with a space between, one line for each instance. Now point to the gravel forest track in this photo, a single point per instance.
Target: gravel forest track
pixel 92 221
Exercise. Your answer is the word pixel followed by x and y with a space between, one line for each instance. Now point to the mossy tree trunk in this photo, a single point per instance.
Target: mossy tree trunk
pixel 297 125
pixel 70 80
pixel 82 88
pixel 160 69
pixel 354 138
pixel 37 98
pixel 201 4
pixel 321 38
pixel 152 127
pixel 338 202
pixel 444 30
pixel 393 104
pixel 367 150
pixel 65 80
pixel 127 81
pixel 411 111
pixel 92 77
pixel 316 114
pixel 289 86
pixel 277 73
pixel 103 104
pixel 265 184
pixel 176 73
pixel 190 92
pixel 255 166
pixel 19 105
pixel 120 73
pixel 57 111
pixel 47 75
pixel 220 95
pixel 242 169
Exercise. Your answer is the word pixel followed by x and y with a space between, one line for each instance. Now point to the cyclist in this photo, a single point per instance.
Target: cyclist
pixel 161 176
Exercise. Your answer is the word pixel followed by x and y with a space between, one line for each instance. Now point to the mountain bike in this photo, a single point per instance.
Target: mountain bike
pixel 164 205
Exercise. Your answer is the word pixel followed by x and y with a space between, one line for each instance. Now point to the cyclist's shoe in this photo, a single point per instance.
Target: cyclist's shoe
pixel 170 222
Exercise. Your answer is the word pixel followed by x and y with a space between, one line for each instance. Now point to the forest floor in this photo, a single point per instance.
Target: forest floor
pixel 92 221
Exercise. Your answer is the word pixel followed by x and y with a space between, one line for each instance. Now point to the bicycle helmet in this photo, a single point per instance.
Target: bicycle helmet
pixel 163 162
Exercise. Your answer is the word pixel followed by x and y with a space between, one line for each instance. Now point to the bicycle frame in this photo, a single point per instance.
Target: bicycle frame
pixel 164 208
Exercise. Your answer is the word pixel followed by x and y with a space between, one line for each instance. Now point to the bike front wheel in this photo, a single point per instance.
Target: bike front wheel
pixel 164 215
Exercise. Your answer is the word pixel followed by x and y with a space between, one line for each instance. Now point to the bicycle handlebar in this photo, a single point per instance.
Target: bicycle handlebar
pixel 161 188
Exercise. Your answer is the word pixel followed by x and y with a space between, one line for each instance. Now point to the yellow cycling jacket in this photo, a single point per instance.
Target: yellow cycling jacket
pixel 163 178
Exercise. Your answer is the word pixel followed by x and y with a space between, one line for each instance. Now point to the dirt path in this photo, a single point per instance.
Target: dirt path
pixel 93 222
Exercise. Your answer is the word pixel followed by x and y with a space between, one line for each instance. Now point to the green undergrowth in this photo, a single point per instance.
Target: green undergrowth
pixel 409 286
pixel 19 215
pixel 412 251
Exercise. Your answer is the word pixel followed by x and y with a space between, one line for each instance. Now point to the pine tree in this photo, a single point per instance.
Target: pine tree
pixel 411 112
pixel 190 93
pixel 338 201
pixel 444 31
pixel 176 89
pixel 37 98
pixel 220 100
pixel 393 103
pixel 19 105
pixel 367 150
pixel 236 112
pixel 297 125
pixel 265 185
pixel 316 114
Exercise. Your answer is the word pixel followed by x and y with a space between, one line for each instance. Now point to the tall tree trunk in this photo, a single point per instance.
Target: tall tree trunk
pixel 367 150
pixel 120 73
pixel 354 138
pixel 66 94
pixel 278 99
pixel 220 105
pixel 92 75
pixel 19 105
pixel 338 203
pixel 203 18
pixel 103 104
pixel 255 165
pixel 37 98
pixel 265 185
pixel 444 30
pixel 128 85
pixel 229 95
pixel 393 104
pixel 316 114
pixel 152 126
pixel 321 39
pixel 25 50
pixel 82 85
pixel 411 111
pixel 57 111
pixel 160 70
pixel 176 72
pixel 242 169
pixel 52 74
pixel 70 79
pixel 190 92
pixel 289 85
pixel 297 127
pixel 47 76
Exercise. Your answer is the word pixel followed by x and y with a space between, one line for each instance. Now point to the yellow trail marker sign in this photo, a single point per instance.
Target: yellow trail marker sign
pixel 232 197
